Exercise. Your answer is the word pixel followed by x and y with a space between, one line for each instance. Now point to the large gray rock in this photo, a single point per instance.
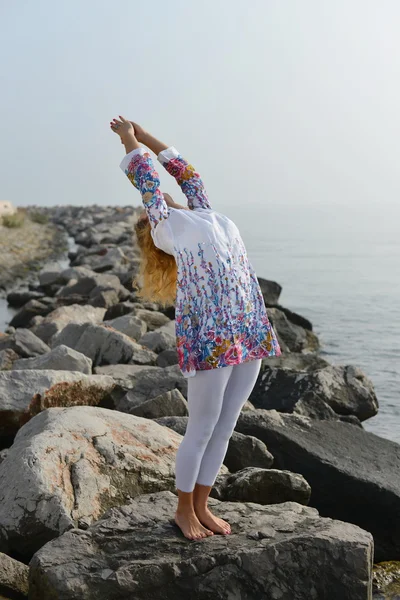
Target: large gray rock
pixel 168 357
pixel 264 486
pixel 283 382
pixel 243 450
pixel 148 383
pixel 283 552
pixel 153 318
pixel 84 285
pixel 60 358
pixel 160 339
pixel 354 474
pixel 129 324
pixel 168 403
pixel 104 345
pixel 30 310
pixel 13 577
pixel 25 393
pixel 292 337
pixel 25 343
pixel 59 318
pixel 68 465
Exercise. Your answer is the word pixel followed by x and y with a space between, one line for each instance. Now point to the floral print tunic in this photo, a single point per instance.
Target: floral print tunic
pixel 220 315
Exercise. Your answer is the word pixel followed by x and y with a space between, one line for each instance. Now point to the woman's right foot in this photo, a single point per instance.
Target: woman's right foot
pixel 191 526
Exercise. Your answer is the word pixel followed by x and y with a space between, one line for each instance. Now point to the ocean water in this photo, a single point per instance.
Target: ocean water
pixel 340 268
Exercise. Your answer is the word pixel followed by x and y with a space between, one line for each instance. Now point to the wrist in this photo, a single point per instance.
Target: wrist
pixel 130 142
pixel 143 137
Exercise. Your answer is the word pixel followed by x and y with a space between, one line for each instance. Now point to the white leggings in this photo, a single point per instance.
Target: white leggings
pixel 215 399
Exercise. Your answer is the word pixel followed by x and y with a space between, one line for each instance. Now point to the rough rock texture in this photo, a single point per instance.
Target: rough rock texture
pixel 3 454
pixel 161 339
pixel 24 343
pixel 153 318
pixel 68 465
pixel 168 403
pixel 264 486
pixel 7 359
pixel 243 450
pixel 147 383
pixel 167 358
pixel 292 337
pixel 283 382
pixel 354 474
pixel 283 552
pixel 32 309
pixel 25 393
pixel 386 580
pixel 104 345
pixel 59 318
pixel 61 358
pixel 129 324
pixel 13 578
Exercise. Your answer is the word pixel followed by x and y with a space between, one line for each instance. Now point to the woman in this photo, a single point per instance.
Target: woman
pixel 195 258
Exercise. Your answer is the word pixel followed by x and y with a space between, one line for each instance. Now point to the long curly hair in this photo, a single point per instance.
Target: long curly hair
pixel 157 270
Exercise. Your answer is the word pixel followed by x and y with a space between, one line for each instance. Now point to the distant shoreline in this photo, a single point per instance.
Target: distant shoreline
pixel 26 248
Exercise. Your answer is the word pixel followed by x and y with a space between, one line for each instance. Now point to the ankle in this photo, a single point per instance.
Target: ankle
pixel 200 506
pixel 185 511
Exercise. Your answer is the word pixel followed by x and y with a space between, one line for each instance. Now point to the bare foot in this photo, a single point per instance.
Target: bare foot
pixel 216 524
pixel 191 526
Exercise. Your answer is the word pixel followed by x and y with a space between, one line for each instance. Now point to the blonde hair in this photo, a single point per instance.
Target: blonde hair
pixel 157 270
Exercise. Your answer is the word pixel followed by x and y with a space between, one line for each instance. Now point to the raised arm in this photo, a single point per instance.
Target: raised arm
pixel 139 168
pixel 187 178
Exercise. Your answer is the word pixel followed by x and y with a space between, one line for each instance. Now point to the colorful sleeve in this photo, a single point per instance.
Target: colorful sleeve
pixel 138 166
pixel 187 178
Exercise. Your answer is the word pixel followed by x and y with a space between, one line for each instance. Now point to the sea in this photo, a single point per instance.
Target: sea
pixel 339 266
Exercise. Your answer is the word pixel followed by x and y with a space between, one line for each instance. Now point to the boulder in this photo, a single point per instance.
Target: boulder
pixel 147 383
pixel 153 318
pixel 168 357
pixel 59 318
pixel 130 325
pixel 50 274
pixel 291 336
pixel 160 339
pixel 271 290
pixel 119 310
pixel 103 298
pixel 264 486
pixel 25 393
pixel 243 450
pixel 284 551
pixel 24 343
pixel 104 345
pixel 30 310
pixel 68 465
pixel 18 298
pixel 168 403
pixel 85 285
pixel 60 358
pixel 354 474
pixel 283 382
pixel 13 578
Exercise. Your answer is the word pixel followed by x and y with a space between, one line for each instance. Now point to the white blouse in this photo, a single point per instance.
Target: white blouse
pixel 220 315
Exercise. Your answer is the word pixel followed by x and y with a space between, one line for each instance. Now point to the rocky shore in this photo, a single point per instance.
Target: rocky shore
pixel 24 249
pixel 93 408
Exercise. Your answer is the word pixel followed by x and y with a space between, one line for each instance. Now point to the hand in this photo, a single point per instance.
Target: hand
pixel 140 133
pixel 122 127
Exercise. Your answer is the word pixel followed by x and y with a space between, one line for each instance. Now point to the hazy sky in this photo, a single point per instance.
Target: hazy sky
pixel 274 101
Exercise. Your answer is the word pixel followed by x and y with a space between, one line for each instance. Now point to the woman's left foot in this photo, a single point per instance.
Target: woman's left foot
pixel 212 522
